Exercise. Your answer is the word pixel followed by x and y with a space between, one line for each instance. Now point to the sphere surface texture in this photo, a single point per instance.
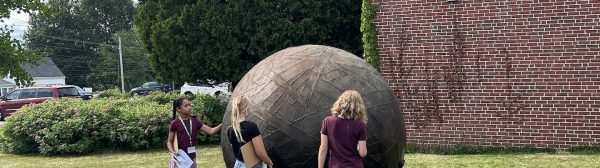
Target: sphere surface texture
pixel 293 90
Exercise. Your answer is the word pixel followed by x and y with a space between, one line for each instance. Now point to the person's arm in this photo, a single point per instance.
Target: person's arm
pixel 362 140
pixel 362 148
pixel 210 130
pixel 170 142
pixel 260 150
pixel 323 151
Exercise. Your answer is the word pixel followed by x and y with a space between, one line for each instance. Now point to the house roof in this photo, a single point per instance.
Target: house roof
pixel 44 68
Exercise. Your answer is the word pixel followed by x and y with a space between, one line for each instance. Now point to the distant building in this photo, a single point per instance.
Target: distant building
pixel 44 74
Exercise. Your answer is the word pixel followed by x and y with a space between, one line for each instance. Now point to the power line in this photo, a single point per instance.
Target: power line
pixel 17 19
pixel 74 40
pixel 36 44
pixel 69 39
pixel 129 67
pixel 78 49
pixel 13 23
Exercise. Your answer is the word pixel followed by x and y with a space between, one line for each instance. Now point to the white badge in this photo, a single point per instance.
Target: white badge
pixel 191 149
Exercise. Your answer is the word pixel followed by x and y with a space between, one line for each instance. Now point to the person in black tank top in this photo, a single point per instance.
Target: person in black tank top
pixel 249 131
pixel 242 131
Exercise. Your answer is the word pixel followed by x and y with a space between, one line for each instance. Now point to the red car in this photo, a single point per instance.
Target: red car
pixel 16 99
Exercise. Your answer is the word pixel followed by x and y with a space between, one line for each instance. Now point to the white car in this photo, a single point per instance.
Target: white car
pixel 193 89
pixel 85 93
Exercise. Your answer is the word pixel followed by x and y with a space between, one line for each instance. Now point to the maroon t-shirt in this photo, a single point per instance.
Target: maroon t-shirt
pixel 343 136
pixel 183 140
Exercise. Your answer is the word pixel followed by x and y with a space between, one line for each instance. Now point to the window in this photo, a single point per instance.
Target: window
pixel 79 89
pixel 14 95
pixel 3 91
pixel 28 93
pixel 200 84
pixel 67 91
pixel 44 92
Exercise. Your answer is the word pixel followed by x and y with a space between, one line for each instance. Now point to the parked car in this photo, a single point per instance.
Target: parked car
pixel 148 87
pixel 17 98
pixel 192 89
pixel 83 93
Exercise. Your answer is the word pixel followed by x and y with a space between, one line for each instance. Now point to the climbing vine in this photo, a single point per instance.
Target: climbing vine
pixel 511 104
pixel 431 108
pixel 369 38
pixel 455 75
pixel 410 97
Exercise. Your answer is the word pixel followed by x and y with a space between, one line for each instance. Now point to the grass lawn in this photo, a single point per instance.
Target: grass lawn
pixel 506 160
pixel 211 157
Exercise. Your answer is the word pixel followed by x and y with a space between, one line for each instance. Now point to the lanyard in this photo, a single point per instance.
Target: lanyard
pixel 186 130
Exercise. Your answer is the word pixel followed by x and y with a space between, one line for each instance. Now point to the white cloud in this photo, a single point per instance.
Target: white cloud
pixel 19 22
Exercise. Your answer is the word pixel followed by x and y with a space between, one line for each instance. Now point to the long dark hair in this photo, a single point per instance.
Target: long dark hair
pixel 177 104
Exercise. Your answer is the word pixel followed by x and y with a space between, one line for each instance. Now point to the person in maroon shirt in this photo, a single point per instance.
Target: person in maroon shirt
pixel 186 128
pixel 344 133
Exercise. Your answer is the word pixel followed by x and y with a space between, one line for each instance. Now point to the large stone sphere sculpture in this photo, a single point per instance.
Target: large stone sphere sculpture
pixel 293 90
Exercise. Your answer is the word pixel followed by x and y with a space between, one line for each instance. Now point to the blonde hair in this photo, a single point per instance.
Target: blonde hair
pixel 350 105
pixel 239 103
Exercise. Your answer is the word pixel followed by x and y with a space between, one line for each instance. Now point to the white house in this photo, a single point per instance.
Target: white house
pixel 45 73
pixel 6 86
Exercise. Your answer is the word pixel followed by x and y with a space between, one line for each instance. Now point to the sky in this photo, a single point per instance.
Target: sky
pixel 19 23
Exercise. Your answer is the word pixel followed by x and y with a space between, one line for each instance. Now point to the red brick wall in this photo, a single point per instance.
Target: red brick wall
pixel 520 73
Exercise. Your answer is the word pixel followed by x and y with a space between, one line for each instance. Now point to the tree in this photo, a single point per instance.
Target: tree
pixel 74 31
pixel 222 40
pixel 12 54
pixel 136 64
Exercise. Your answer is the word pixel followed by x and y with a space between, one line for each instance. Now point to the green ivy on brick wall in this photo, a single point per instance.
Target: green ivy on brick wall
pixel 369 38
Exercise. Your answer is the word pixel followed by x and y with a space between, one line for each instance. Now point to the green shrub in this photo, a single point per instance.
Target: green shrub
pixel 74 126
pixel 144 127
pixel 470 150
pixel 462 149
pixel 206 107
pixel 114 93
pixel 112 121
pixel 210 110
pixel 165 98
pixel 586 150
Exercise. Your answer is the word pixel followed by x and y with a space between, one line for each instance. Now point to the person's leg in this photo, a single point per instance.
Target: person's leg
pixel 172 164
pixel 195 164
pixel 239 164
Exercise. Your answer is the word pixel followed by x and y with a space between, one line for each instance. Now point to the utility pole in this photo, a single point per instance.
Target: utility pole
pixel 121 66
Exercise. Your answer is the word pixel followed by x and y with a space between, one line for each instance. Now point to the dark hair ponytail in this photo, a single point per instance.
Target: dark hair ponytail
pixel 177 104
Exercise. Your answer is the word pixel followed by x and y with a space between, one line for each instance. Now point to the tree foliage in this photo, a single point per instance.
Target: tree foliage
pixel 74 30
pixel 222 40
pixel 136 64
pixel 12 53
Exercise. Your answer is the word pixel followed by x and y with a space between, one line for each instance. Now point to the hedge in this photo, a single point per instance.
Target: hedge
pixel 75 126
